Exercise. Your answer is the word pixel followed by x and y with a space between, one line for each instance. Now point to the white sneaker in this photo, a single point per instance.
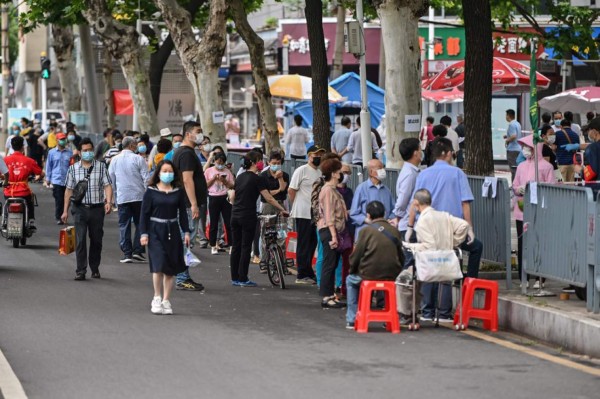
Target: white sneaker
pixel 537 285
pixel 166 307
pixel 214 251
pixel 156 305
pixel 526 285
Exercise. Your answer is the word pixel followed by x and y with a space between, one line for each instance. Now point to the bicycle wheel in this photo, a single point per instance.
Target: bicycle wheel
pixel 272 272
pixel 279 258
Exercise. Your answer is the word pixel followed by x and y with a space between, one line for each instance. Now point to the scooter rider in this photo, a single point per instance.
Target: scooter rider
pixel 20 167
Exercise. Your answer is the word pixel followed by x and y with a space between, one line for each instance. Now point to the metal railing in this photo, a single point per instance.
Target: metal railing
pixel 356 178
pixel 559 239
pixel 288 167
pixel 491 222
pixel 236 160
pixel 391 178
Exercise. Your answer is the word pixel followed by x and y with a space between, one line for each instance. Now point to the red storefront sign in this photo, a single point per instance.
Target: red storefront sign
pixel 513 46
pixel 299 45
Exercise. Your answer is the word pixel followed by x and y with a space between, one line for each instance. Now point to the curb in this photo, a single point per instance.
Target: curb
pixel 575 334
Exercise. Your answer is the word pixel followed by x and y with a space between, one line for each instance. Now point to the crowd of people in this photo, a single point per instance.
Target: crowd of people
pixel 171 191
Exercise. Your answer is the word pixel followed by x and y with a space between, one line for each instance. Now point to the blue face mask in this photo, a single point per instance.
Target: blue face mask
pixel 87 156
pixel 275 168
pixel 167 177
pixel 14 132
pixel 177 144
pixel 142 149
pixel 71 138
pixel 220 167
pixel 557 122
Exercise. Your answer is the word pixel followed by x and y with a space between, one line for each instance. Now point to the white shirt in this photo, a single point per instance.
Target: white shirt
pixel 453 137
pixel 129 173
pixel 355 146
pixel 302 181
pixel 297 138
pixel 8 146
pixel 438 231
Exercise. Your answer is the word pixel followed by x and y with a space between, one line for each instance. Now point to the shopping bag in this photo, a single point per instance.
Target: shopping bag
pixel 66 241
pixel 191 260
pixel 437 266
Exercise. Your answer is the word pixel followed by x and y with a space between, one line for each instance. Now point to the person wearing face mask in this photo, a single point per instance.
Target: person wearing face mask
pixel 549 138
pixel 219 180
pixel 214 150
pixel 567 142
pixel 163 214
pixel 411 153
pixel 89 213
pixel 177 140
pixel 248 188
pixel 129 174
pixel 557 117
pixel 525 174
pixel 57 165
pixel 206 150
pixel 370 190
pixel 277 182
pixel 14 131
pixel 194 183
pixel 300 191
pixel 142 150
pixel 115 149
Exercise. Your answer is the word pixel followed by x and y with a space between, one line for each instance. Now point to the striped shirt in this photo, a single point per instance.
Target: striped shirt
pixel 98 180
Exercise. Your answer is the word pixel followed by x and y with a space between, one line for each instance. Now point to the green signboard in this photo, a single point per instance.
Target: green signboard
pixel 448 43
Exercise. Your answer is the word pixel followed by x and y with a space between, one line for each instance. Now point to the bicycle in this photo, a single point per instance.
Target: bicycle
pixel 273 230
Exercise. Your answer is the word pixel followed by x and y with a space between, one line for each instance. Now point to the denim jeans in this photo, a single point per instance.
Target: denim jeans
pixel 409 259
pixel 130 212
pixel 430 297
pixel 352 290
pixel 319 266
pixel 185 275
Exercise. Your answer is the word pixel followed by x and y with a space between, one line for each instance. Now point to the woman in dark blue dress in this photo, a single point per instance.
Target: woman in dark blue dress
pixel 163 212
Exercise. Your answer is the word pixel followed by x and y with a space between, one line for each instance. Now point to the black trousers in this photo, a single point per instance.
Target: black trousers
pixel 242 230
pixel 58 192
pixel 88 222
pixel 305 247
pixel 520 248
pixel 218 206
pixel 331 258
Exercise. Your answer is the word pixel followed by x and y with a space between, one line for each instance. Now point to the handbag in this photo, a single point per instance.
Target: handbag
pixel 436 266
pixel 66 240
pixel 344 241
pixel 81 188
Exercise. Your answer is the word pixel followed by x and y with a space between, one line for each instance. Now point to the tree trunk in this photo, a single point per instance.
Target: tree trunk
pixel 478 87
pixel 109 102
pixel 318 60
pixel 123 43
pixel 337 67
pixel 63 43
pixel 382 66
pixel 201 61
pixel 256 47
pixel 158 60
pixel 399 29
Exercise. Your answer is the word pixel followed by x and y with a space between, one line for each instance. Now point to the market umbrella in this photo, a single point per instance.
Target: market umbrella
pixel 443 96
pixel 579 100
pixel 506 74
pixel 296 88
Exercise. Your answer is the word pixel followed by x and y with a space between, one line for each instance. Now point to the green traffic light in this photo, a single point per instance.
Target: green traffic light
pixel 45 74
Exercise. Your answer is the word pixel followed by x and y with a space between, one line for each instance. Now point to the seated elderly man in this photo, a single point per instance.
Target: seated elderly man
pixel 435 231
pixel 378 255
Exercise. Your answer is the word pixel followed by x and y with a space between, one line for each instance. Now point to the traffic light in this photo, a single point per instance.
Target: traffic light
pixel 45 64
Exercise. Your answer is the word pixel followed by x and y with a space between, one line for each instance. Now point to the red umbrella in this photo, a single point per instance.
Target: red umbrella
pixel 443 96
pixel 506 74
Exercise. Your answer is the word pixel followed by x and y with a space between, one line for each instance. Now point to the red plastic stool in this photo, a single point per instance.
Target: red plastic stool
pixel 292 235
pixel 489 312
pixel 389 314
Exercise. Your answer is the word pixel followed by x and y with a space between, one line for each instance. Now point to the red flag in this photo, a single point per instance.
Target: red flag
pixel 123 102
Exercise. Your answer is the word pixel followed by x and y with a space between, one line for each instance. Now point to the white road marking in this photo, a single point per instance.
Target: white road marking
pixel 10 386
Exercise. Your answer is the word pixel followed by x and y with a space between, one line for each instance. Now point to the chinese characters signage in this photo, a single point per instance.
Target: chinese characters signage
pixel 448 43
pixel 302 44
pixel 508 45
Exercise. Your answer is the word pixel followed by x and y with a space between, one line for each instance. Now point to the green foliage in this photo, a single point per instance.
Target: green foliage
pixel 271 22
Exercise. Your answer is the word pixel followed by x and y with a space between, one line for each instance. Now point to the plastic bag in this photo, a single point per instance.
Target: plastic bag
pixel 191 260
pixel 437 266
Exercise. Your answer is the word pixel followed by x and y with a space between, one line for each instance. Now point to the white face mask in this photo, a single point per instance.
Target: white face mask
pixel 551 139
pixel 381 173
pixel 527 152
pixel 345 179
pixel 199 138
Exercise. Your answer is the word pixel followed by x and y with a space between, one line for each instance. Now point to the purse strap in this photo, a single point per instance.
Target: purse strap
pixel 389 235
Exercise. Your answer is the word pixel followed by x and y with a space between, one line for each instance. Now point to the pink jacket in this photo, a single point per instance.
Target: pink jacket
pixel 526 173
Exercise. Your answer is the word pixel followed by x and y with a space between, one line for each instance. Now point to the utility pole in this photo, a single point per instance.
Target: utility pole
pixel 89 71
pixel 45 75
pixel 5 74
pixel 365 115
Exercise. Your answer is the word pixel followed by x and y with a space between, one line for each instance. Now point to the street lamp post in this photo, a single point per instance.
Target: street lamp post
pixel 365 115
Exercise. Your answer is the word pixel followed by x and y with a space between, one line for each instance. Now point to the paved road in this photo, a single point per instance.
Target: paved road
pixel 98 339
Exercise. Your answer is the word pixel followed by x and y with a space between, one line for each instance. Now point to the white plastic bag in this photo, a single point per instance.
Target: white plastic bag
pixel 191 260
pixel 437 266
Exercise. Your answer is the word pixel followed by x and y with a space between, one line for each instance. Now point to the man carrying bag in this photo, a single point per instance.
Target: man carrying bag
pixel 89 191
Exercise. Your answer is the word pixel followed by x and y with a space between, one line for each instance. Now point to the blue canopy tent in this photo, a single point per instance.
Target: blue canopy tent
pixel 348 85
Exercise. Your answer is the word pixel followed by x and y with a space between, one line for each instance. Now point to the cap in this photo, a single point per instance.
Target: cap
pixel 594 124
pixel 166 132
pixel 60 136
pixel 314 149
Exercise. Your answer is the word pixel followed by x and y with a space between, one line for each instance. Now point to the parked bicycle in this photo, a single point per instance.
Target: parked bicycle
pixel 273 231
